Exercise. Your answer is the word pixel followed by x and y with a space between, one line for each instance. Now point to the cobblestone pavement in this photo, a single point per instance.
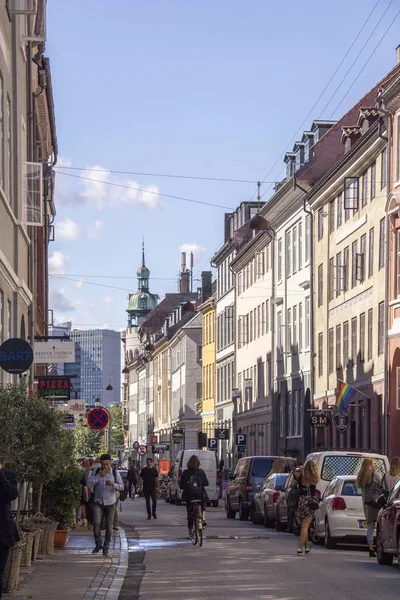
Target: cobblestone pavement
pixel 75 573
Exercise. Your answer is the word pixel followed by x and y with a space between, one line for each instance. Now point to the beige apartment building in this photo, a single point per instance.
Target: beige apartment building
pixel 348 206
pixel 28 152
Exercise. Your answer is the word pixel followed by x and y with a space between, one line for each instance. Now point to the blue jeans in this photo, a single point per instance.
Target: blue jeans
pixel 98 512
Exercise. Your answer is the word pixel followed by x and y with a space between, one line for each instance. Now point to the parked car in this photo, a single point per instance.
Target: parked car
pixel 388 529
pixel 333 463
pixel 263 507
pixel 208 462
pixel 340 517
pixel 248 475
pixel 282 509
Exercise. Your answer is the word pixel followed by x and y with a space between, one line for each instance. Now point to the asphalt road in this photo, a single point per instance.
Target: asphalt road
pixel 259 564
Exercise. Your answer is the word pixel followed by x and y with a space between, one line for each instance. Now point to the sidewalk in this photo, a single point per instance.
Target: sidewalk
pixel 74 573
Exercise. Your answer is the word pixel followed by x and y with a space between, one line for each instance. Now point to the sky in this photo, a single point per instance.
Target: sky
pixel 201 88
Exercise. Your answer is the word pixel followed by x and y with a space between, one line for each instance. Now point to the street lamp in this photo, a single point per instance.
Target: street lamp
pixel 259 223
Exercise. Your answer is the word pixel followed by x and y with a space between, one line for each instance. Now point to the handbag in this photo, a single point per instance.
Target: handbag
pixel 373 493
pixel 312 501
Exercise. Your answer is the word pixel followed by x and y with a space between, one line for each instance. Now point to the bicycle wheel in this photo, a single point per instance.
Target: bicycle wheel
pixel 200 536
pixel 193 537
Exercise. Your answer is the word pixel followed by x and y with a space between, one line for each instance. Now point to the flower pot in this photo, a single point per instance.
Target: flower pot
pixel 60 538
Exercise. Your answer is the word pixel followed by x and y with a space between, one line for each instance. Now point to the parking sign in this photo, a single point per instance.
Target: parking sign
pixel 241 442
pixel 212 444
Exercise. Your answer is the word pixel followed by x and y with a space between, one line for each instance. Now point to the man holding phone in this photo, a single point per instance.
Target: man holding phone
pixel 104 482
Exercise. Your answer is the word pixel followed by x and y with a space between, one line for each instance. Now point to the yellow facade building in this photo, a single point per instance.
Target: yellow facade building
pixel 206 406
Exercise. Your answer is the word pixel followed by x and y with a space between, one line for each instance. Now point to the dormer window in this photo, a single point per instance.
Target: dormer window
pixel 290 158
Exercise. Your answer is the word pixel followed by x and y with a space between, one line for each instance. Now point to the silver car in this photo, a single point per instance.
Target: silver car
pixel 263 507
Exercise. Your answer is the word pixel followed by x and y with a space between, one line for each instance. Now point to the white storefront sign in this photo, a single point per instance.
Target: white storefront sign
pixel 54 351
pixel 77 407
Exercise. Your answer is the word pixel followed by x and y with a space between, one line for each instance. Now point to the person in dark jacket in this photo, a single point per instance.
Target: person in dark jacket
pixel 193 483
pixel 132 479
pixel 8 529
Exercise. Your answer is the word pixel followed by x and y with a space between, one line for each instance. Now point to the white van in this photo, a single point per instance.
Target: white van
pixel 208 462
pixel 333 463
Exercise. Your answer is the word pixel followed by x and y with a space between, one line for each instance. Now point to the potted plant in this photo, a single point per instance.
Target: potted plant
pixel 60 498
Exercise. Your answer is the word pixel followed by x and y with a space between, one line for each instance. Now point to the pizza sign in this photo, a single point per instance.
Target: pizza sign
pixel 50 386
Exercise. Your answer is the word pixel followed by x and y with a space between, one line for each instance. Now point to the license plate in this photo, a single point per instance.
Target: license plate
pixel 362 524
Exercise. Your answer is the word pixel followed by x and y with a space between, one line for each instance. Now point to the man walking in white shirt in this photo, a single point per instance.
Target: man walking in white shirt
pixel 104 482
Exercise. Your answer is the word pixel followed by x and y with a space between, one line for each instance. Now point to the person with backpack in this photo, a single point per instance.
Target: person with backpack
pixel 193 483
pixel 104 482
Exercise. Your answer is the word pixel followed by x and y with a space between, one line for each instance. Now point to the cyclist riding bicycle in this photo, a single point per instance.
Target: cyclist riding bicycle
pixel 193 483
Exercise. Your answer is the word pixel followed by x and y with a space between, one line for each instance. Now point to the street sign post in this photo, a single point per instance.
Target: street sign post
pixel 212 444
pixel 221 434
pixel 16 356
pixel 241 442
pixel 98 418
pixel 142 450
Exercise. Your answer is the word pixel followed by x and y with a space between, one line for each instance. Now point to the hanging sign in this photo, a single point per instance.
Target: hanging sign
pixel 77 407
pixel 16 356
pixel 54 351
pixel 320 420
pixel 57 386
pixel 342 421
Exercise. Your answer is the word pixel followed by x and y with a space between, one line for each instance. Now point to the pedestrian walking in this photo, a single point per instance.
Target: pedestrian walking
pixel 104 482
pixel 150 484
pixel 369 483
pixel 292 500
pixel 193 483
pixel 390 478
pixel 8 530
pixel 132 480
pixel 308 503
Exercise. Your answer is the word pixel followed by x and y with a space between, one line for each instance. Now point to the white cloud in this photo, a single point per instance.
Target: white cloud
pixel 67 229
pixel 63 162
pixel 58 261
pixel 95 229
pixel 197 250
pixel 78 284
pixel 108 300
pixel 95 189
pixel 60 303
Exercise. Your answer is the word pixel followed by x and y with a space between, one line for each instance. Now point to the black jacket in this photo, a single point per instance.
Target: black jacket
pixel 184 481
pixel 8 493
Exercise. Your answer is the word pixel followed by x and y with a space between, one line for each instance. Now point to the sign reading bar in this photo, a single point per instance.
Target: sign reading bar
pixel 54 351
pixel 16 356
pixel 54 386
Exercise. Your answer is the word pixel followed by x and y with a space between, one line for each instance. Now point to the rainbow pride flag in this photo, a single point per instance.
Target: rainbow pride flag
pixel 345 395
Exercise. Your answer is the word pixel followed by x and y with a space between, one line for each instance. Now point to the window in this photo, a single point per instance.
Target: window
pixel 308 238
pixel 251 327
pixel 279 329
pixel 331 278
pixel 398 261
pixel 381 328
pixel 350 196
pixel 259 321
pixel 354 340
pixel 295 328
pixel 300 327
pixel 370 333
pixel 280 259
pixel 332 216
pixel 320 223
pixel 364 199
pixel 360 261
pixel 289 327
pixel 294 257
pixel 383 168
pixel 362 337
pixel 320 354
pixel 345 344
pixel 354 248
pixel 267 316
pixel 373 180
pixel 296 412
pixel 331 352
pixel 339 273
pixel 371 253
pixel 262 318
pixel 300 245
pixel 9 158
pixel 339 210
pixel 307 322
pixel 1 134
pixel 288 253
pixel 290 413
pixel 267 258
pixel 382 240
pixel 320 284
pixel 338 346
pixel 346 268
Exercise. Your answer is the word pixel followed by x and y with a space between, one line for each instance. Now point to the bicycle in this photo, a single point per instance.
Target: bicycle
pixel 197 530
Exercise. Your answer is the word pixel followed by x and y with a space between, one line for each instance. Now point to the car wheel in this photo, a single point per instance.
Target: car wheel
pixel 267 521
pixel 243 513
pixel 254 516
pixel 278 525
pixel 383 557
pixel 330 543
pixel 398 549
pixel 230 514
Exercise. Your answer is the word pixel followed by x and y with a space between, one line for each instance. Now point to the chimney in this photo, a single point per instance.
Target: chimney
pixel 398 55
pixel 185 283
pixel 206 285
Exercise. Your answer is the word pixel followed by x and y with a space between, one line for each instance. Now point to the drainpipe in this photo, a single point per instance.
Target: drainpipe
pixel 232 454
pixel 309 212
pixel 32 253
pixel 274 395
